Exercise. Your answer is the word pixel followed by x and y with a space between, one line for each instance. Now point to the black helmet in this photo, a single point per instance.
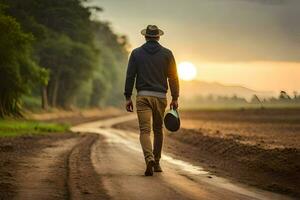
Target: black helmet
pixel 172 120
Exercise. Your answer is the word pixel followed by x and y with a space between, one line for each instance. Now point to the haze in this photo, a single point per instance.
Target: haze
pixel 254 43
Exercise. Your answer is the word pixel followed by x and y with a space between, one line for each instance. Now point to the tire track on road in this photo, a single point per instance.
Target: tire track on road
pixel 83 181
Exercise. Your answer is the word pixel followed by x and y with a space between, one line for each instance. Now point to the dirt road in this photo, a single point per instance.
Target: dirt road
pixel 118 160
pixel 104 163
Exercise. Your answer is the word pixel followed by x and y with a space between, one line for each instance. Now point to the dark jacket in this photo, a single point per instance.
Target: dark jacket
pixel 152 66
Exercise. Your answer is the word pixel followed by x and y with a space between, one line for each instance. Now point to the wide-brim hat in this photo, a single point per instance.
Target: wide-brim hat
pixel 172 120
pixel 152 31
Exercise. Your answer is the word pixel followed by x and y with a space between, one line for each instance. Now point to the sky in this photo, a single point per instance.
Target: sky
pixel 254 43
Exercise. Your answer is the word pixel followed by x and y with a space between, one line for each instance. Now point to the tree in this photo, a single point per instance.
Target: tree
pixel 295 95
pixel 284 96
pixel 18 71
pixel 256 100
pixel 98 91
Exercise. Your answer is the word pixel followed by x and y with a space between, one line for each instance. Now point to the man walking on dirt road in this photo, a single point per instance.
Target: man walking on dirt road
pixel 151 67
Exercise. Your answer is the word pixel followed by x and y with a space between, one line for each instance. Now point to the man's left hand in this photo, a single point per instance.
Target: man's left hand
pixel 174 104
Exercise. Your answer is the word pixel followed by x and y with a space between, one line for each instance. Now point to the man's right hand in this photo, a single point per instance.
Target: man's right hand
pixel 129 105
pixel 174 104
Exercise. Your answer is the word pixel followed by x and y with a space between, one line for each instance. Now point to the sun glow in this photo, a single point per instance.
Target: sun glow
pixel 187 71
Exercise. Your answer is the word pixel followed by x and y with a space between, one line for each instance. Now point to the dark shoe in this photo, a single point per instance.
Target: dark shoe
pixel 157 168
pixel 149 169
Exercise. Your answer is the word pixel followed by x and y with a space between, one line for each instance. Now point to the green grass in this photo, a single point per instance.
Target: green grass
pixel 11 128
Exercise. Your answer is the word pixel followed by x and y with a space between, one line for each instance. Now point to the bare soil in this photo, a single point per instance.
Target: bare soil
pixel 77 116
pixel 58 166
pixel 52 166
pixel 269 128
pixel 256 147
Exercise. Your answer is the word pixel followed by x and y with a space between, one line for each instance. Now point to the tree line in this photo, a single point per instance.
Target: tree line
pixel 54 52
pixel 282 99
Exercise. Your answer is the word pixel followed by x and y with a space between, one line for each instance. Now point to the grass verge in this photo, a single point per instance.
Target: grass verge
pixel 11 128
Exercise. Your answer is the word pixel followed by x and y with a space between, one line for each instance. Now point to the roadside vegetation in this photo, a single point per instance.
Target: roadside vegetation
pixel 54 54
pixel 12 128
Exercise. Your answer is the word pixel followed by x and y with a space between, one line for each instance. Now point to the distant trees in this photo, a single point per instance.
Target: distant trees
pixel 283 100
pixel 211 99
pixel 52 50
pixel 112 62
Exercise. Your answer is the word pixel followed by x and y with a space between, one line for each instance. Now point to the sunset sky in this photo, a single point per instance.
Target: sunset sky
pixel 254 43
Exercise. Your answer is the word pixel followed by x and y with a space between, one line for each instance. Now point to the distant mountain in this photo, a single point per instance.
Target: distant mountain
pixel 190 89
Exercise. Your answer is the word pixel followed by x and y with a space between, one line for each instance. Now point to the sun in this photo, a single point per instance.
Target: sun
pixel 187 71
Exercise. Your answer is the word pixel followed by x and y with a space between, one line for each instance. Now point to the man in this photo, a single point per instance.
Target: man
pixel 151 67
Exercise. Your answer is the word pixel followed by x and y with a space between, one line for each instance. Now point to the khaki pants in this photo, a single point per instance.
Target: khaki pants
pixel 151 107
